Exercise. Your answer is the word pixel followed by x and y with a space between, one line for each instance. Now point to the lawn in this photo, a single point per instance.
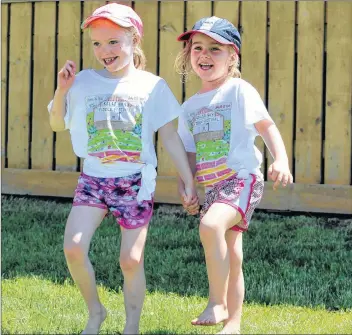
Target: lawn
pixel 297 268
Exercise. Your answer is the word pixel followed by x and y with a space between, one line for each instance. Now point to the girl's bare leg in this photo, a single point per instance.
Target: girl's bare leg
pixel 132 265
pixel 213 227
pixel 235 291
pixel 81 225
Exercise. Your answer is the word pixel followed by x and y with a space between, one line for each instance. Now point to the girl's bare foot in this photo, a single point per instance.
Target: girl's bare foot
pixel 95 321
pixel 212 315
pixel 229 332
pixel 224 331
pixel 131 329
pixel 230 328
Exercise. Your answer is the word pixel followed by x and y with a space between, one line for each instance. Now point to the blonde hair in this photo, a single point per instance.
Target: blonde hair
pixel 184 68
pixel 139 58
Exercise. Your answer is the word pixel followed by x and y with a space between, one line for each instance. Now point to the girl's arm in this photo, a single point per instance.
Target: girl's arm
pixel 65 79
pixel 193 206
pixel 58 111
pixel 176 150
pixel 279 170
pixel 192 162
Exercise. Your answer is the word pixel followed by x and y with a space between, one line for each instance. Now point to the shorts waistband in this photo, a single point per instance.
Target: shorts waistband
pixel 134 175
pixel 237 175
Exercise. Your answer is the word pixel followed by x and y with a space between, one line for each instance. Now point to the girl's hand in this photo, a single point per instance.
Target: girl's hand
pixel 192 207
pixel 189 198
pixel 66 76
pixel 279 172
pixel 192 204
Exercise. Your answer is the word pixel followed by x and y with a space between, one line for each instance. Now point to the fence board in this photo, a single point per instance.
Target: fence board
pixel 338 94
pixel 19 84
pixel 171 25
pixel 195 11
pixel 122 2
pixel 305 153
pixel 68 48
pixel 296 197
pixel 4 48
pixel 43 84
pixel 253 54
pixel 228 10
pixel 309 92
pixel 148 12
pixel 89 60
pixel 281 70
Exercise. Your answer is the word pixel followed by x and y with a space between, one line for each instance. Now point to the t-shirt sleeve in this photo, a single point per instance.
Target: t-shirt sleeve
pixel 165 106
pixel 186 135
pixel 252 105
pixel 67 117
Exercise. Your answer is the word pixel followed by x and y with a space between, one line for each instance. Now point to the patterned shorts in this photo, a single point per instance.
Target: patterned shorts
pixel 242 194
pixel 119 195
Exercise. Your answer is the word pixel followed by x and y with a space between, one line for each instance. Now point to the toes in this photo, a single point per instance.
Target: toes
pixel 203 322
pixel 197 322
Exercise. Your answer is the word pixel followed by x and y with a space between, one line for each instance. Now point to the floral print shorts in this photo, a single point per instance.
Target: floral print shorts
pixel 118 195
pixel 242 194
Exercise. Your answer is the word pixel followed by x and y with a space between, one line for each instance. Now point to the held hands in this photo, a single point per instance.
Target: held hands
pixel 66 76
pixel 189 198
pixel 279 172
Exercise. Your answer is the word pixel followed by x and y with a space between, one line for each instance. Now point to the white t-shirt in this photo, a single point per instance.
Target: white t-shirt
pixel 219 126
pixel 112 122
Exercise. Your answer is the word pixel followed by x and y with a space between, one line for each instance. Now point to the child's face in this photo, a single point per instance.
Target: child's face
pixel 113 47
pixel 210 60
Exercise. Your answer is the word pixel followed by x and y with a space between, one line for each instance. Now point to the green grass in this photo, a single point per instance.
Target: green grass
pixel 298 272
pixel 40 306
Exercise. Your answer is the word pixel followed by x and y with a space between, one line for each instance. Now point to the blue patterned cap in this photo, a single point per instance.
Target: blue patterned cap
pixel 221 30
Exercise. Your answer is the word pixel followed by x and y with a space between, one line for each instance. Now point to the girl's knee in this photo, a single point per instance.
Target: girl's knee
pixel 74 253
pixel 130 262
pixel 236 256
pixel 207 230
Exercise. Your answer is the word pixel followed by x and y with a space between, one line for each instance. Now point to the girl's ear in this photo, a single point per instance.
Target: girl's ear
pixel 135 40
pixel 233 58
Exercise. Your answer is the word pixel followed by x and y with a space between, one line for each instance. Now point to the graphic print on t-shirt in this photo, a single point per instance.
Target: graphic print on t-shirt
pixel 114 127
pixel 211 127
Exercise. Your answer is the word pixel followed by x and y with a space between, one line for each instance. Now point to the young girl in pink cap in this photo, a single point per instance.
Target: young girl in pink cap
pixel 218 128
pixel 112 115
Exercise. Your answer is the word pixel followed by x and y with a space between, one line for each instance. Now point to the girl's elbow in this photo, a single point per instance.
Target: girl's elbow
pixel 57 127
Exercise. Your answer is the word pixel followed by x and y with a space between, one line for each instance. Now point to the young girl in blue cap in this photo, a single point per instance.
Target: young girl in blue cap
pixel 218 128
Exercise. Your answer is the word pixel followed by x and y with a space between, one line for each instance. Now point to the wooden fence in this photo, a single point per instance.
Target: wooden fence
pixel 297 54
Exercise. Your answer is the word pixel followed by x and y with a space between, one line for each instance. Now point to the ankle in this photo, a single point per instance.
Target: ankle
pixel 131 328
pixel 220 305
pixel 96 309
pixel 132 324
pixel 233 322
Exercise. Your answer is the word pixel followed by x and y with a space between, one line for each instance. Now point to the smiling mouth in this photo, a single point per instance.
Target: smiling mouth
pixel 109 61
pixel 205 66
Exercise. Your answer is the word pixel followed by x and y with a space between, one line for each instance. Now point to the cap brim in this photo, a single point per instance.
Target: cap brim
pixel 188 34
pixel 92 18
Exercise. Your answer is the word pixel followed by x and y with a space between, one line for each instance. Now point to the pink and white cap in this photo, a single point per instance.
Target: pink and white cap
pixel 122 15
